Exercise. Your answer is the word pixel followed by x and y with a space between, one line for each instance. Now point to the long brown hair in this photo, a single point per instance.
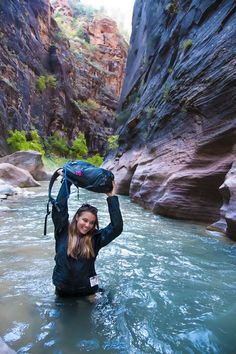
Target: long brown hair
pixel 77 245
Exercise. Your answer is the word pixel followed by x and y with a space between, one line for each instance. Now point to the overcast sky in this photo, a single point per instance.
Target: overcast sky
pixel 121 9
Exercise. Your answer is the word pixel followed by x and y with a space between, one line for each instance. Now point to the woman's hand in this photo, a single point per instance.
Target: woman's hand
pixel 60 172
pixel 113 191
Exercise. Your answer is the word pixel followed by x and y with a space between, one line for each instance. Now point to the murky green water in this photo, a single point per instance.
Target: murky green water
pixel 170 286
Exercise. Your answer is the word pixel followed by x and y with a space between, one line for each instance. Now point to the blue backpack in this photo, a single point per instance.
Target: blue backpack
pixel 81 174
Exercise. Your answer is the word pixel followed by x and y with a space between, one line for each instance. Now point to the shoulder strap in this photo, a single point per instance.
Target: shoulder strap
pixel 50 198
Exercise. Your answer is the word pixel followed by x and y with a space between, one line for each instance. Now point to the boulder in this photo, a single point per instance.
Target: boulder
pixel 7 189
pixel 30 161
pixel 17 176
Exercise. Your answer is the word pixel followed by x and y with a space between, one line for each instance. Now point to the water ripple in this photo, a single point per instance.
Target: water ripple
pixel 170 286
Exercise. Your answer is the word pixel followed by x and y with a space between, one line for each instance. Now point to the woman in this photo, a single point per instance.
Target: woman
pixel 78 243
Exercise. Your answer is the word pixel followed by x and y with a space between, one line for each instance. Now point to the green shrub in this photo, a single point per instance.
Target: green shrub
pixel 166 93
pixel 134 97
pixel 40 84
pixel 122 117
pixel 113 142
pixel 44 82
pixel 80 32
pixel 53 162
pixel 82 9
pixel 150 111
pixel 57 145
pixel 18 141
pixel 88 105
pixel 93 104
pixel 35 142
pixel 51 81
pixel 60 35
pixel 172 7
pixel 79 147
pixel 187 44
pixel 96 160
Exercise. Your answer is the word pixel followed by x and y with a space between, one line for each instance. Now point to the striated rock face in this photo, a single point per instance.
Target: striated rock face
pixel 178 106
pixel 32 47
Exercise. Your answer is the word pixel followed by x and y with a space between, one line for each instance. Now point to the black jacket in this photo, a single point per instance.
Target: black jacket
pixel 71 276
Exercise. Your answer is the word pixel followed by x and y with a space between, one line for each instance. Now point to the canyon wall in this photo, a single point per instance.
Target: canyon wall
pixel 178 110
pixel 33 48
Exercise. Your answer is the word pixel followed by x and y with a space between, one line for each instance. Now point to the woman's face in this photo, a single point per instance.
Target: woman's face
pixel 85 222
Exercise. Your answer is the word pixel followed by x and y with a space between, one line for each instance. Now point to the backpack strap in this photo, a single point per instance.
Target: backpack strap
pixel 50 198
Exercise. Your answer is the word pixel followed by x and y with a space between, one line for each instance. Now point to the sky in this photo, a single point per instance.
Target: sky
pixel 120 10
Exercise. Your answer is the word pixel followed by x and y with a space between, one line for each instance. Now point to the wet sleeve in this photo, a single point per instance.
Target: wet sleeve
pixel 115 228
pixel 60 214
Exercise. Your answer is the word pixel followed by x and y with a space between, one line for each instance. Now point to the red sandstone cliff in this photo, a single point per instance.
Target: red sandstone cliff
pixel 32 46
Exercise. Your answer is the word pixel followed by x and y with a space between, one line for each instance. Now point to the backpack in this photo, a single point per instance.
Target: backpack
pixel 81 174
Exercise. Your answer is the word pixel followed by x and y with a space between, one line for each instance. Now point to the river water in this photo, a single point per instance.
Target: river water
pixel 169 286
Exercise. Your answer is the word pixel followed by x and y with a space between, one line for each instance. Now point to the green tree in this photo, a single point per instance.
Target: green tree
pixel 95 160
pixel 18 140
pixel 113 142
pixel 57 144
pixel 79 147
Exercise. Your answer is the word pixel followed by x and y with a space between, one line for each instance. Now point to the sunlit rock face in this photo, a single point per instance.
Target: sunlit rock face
pixel 33 46
pixel 178 108
pixel 111 51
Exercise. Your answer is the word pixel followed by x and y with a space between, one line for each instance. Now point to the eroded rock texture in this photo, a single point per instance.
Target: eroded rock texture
pixel 227 221
pixel 178 108
pixel 33 46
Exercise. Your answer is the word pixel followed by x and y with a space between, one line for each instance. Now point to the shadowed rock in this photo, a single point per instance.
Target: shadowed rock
pixel 178 104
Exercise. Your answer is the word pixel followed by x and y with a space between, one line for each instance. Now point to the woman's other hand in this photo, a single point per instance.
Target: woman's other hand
pixel 113 191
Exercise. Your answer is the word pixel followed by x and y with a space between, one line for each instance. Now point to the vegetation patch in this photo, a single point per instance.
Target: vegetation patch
pixel 44 82
pixel 21 140
pixel 95 160
pixel 122 117
pixel 113 142
pixel 55 149
pixel 150 111
pixel 166 93
pixel 88 105
pixel 187 44
pixel 172 7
